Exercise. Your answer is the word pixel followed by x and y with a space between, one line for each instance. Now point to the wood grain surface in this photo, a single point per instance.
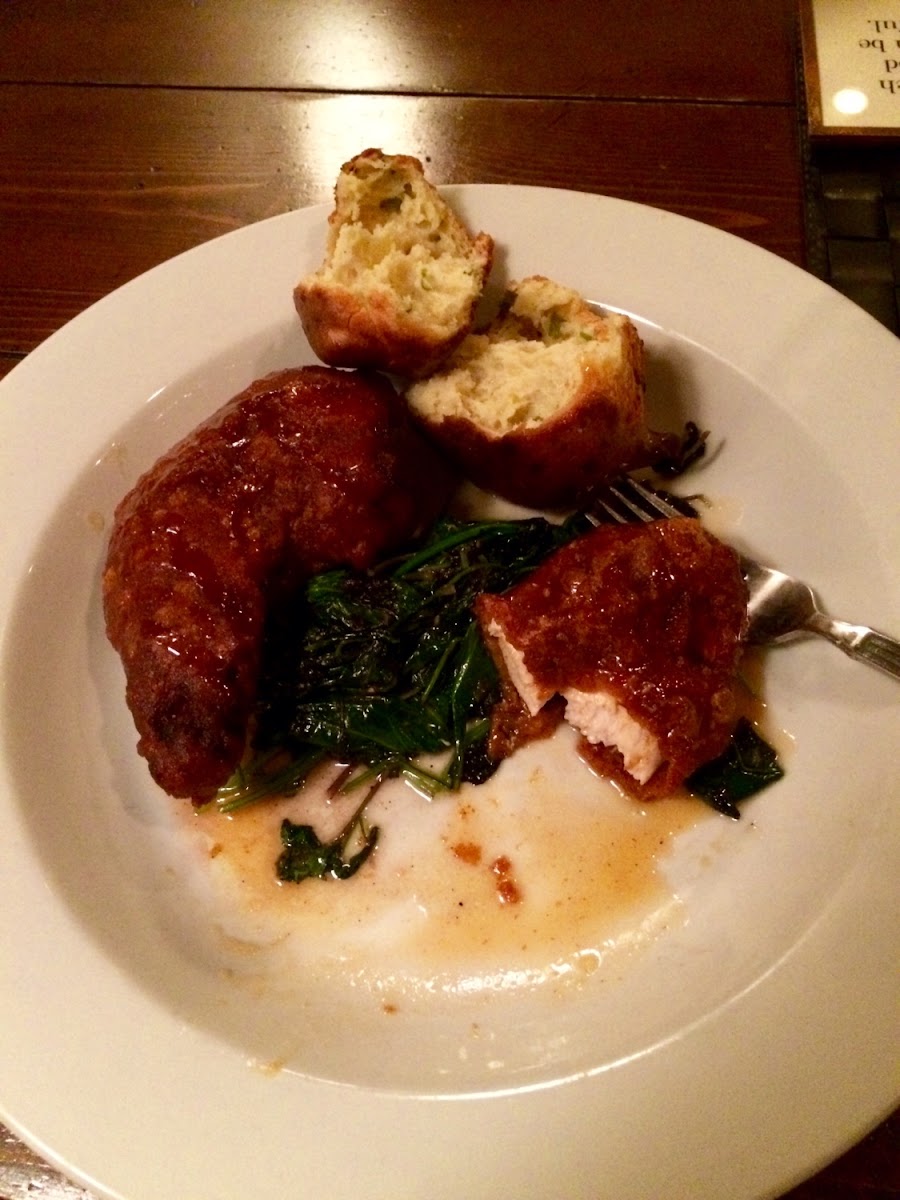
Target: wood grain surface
pixel 130 132
pixel 138 177
pixel 624 49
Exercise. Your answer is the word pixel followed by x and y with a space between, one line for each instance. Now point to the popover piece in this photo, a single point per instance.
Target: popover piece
pixel 546 403
pixel 402 274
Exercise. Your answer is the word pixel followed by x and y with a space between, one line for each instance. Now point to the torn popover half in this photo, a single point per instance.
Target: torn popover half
pixel 402 274
pixel 546 403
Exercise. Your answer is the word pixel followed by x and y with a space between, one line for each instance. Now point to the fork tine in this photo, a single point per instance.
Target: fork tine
pixel 626 499
pixel 610 510
pixel 641 511
pixel 652 499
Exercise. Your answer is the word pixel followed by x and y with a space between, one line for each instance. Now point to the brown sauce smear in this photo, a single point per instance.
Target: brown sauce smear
pixel 507 888
pixel 540 874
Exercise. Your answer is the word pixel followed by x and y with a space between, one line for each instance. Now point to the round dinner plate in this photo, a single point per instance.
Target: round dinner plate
pixel 733 1051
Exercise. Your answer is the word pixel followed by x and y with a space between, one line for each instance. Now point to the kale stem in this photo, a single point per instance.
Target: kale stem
pixel 448 650
pixel 351 781
pixel 357 821
pixel 467 534
pixel 427 779
pixel 249 786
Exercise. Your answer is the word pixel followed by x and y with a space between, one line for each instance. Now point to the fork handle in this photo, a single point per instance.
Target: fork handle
pixel 860 642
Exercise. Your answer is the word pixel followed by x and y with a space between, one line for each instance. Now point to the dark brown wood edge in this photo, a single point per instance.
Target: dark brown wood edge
pixel 815 253
pixel 809 57
pixel 8 361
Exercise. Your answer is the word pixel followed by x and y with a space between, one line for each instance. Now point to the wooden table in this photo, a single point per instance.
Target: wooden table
pixel 130 132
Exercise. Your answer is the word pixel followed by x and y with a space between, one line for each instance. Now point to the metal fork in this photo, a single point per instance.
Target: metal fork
pixel 779 607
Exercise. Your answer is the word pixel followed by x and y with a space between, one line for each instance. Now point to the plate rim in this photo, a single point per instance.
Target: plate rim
pixel 707 245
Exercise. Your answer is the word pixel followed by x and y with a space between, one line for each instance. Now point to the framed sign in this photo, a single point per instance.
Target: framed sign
pixel 851 66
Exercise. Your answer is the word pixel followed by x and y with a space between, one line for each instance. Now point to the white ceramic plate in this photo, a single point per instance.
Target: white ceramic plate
pixel 741 1047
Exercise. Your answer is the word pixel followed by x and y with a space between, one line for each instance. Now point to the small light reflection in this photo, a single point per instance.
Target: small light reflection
pixel 357 47
pixel 332 129
pixel 850 101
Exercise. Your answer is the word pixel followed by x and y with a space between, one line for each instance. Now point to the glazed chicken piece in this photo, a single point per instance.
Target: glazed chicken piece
pixel 304 470
pixel 637 628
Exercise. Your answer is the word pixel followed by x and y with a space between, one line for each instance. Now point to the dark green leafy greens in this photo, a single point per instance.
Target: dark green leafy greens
pixel 691 449
pixel 747 765
pixel 386 669
pixel 305 856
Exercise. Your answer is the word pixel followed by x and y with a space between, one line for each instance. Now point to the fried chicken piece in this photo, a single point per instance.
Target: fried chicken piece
pixel 305 469
pixel 638 628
